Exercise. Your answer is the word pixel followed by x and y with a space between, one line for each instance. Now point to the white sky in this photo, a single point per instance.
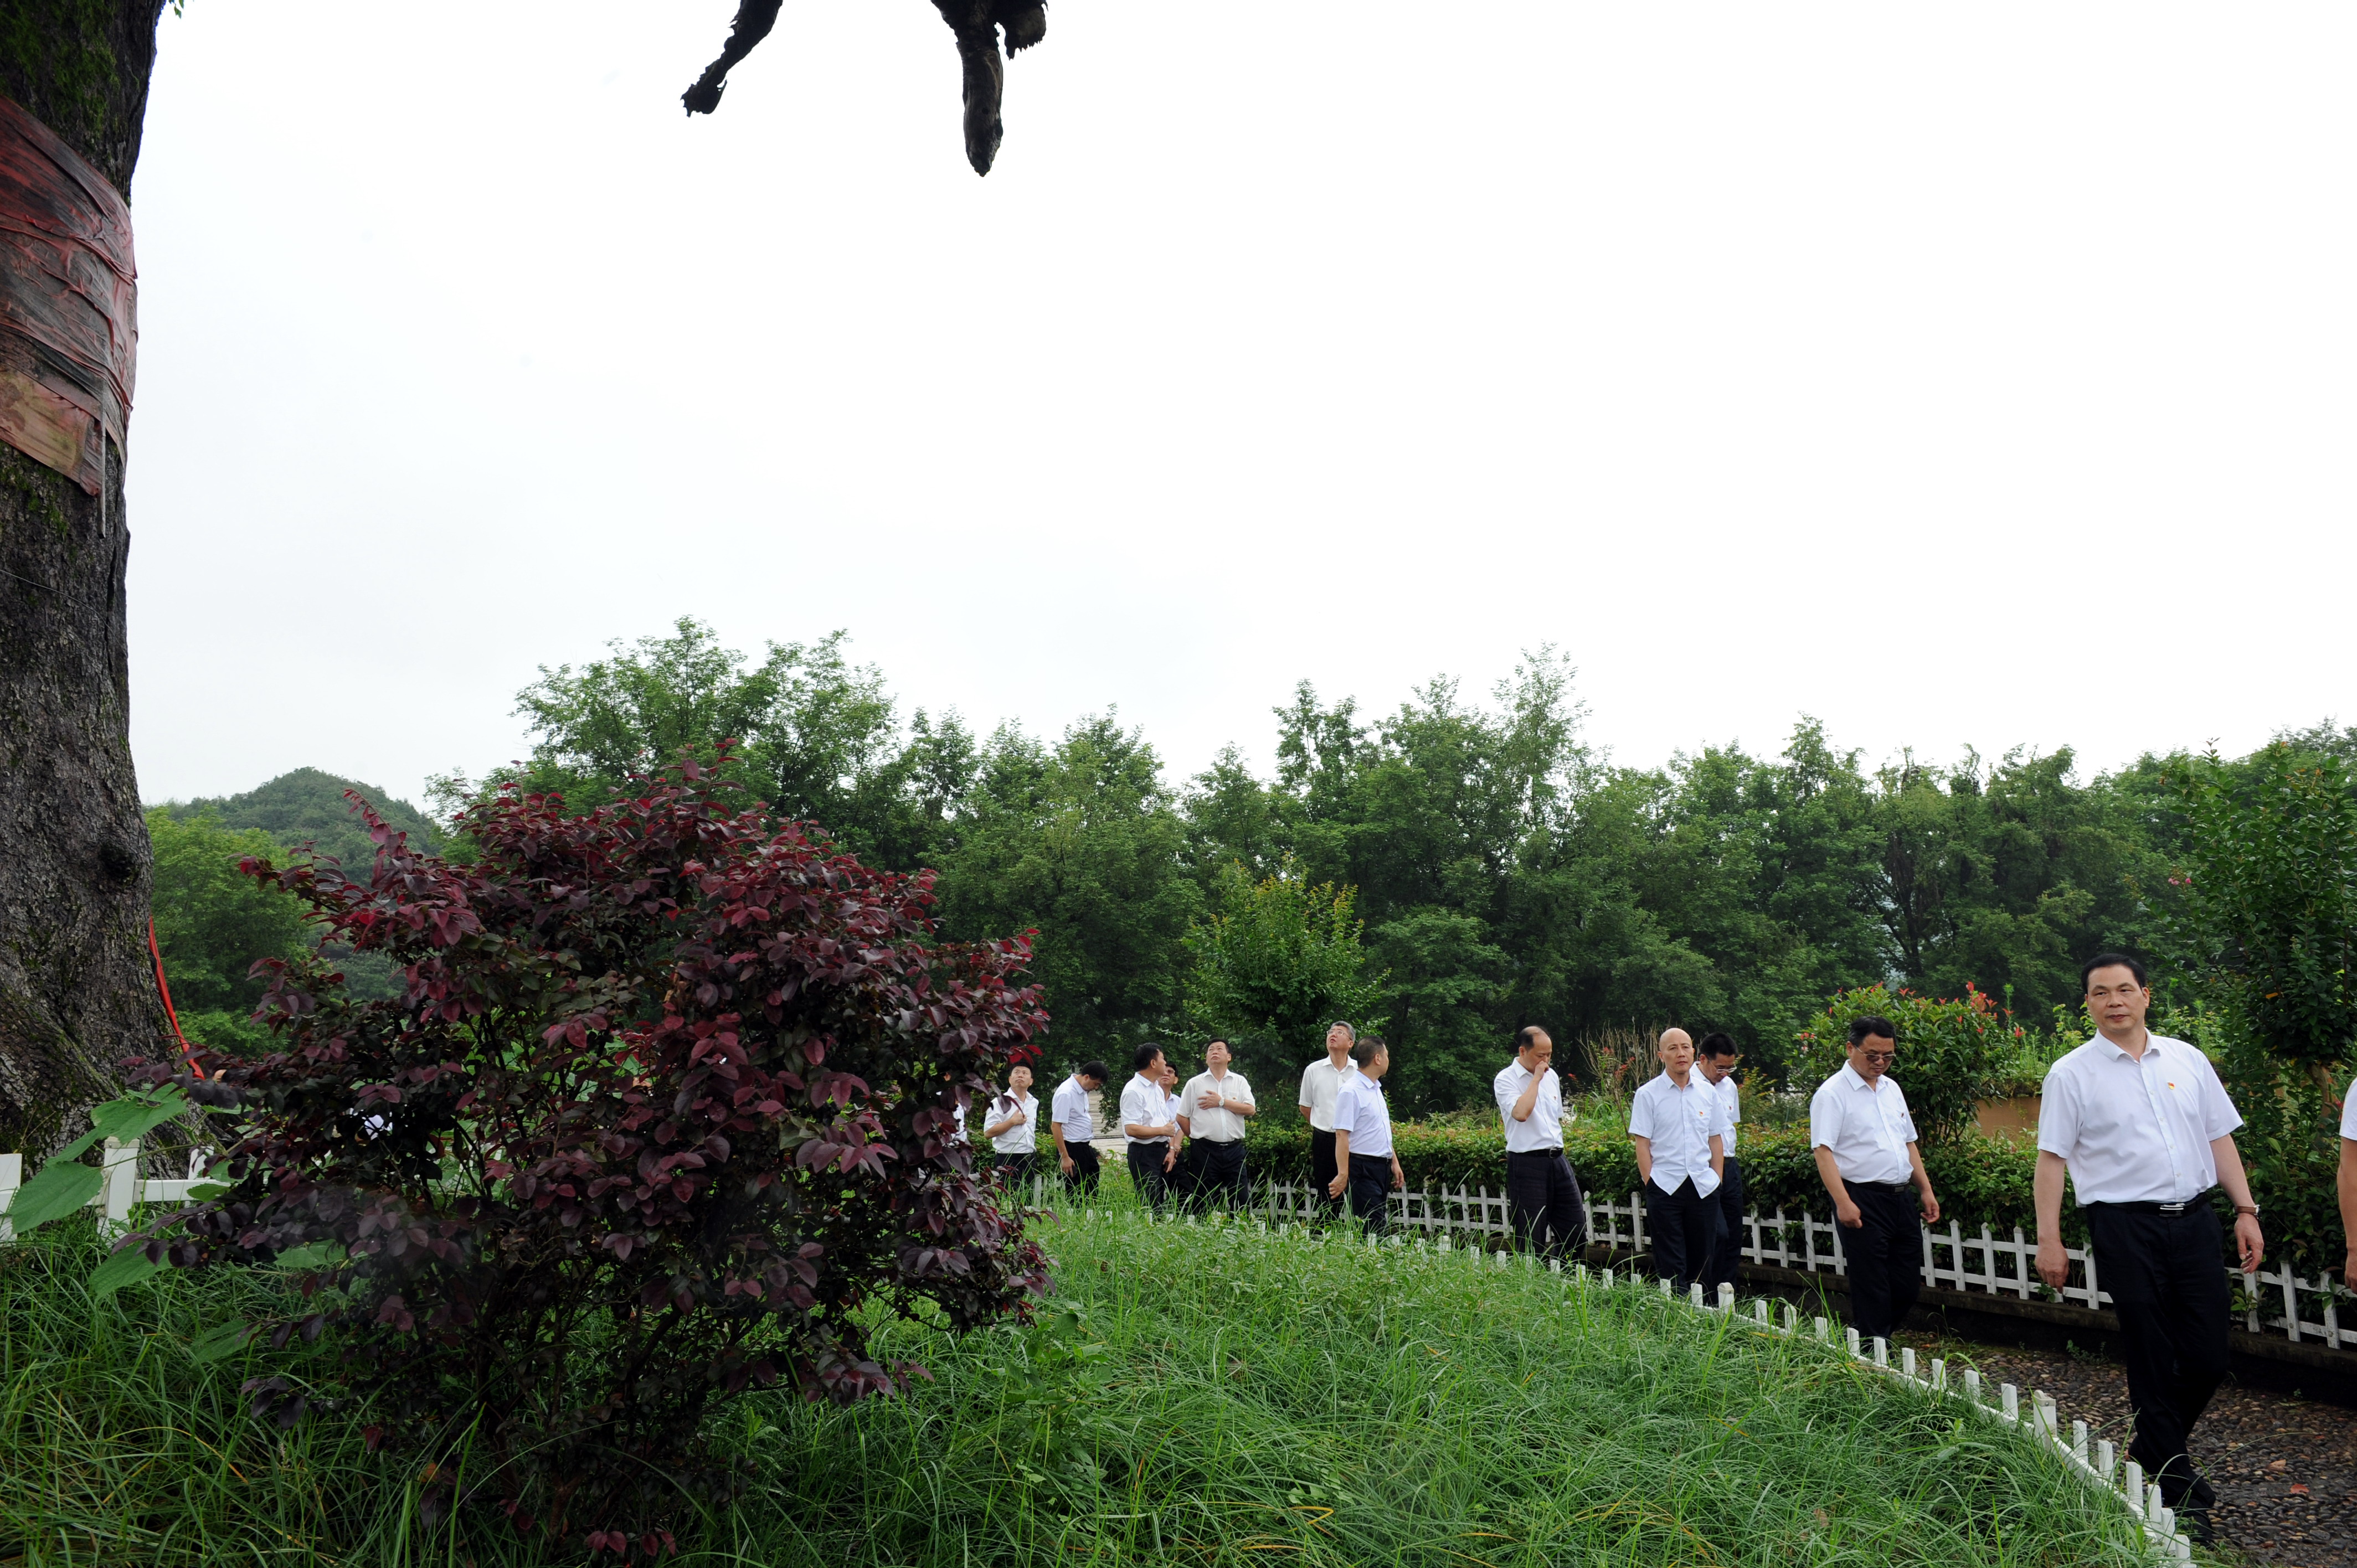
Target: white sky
pixel 1962 375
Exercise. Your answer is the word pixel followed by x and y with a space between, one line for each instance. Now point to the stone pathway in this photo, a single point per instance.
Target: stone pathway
pixel 2286 1468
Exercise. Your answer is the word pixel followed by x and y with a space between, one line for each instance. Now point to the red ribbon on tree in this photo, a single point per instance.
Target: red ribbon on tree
pixel 69 303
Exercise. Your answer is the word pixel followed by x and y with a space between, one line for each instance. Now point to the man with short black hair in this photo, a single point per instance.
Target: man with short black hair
pixel 1863 1138
pixel 1363 1138
pixel 1320 1081
pixel 1714 1060
pixel 1012 1125
pixel 1213 1110
pixel 1072 1124
pixel 2143 1131
pixel 1542 1192
pixel 1675 1122
pixel 1149 1123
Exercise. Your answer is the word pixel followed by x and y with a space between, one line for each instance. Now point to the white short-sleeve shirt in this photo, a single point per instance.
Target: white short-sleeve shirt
pixel 1543 1129
pixel 1732 1095
pixel 2349 1114
pixel 1023 1138
pixel 1320 1081
pixel 1070 1107
pixel 1359 1110
pixel 1210 1124
pixel 2135 1131
pixel 1867 1126
pixel 1144 1104
pixel 1679 1123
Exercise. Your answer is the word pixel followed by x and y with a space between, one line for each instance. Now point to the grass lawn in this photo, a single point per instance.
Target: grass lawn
pixel 1212 1395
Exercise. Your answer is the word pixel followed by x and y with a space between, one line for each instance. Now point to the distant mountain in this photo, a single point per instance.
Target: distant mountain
pixel 307 805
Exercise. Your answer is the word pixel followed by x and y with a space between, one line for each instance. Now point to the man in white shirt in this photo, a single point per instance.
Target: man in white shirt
pixel 2143 1130
pixel 1675 1122
pixel 1863 1138
pixel 1542 1191
pixel 1213 1110
pixel 1149 1124
pixel 1714 1058
pixel 1320 1081
pixel 1072 1124
pixel 2345 1182
pixel 1012 1125
pixel 1363 1138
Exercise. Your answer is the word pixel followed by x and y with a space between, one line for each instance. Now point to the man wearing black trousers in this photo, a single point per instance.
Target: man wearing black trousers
pixel 1541 1190
pixel 1675 1122
pixel 1714 1060
pixel 2143 1130
pixel 1150 1124
pixel 1863 1138
pixel 1366 1167
pixel 1320 1082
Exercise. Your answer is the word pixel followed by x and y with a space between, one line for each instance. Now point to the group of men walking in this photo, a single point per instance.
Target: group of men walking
pixel 2138 1124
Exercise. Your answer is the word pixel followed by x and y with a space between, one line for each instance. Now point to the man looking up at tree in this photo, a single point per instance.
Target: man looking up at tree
pixel 1864 1137
pixel 1716 1062
pixel 1320 1082
pixel 1675 1122
pixel 1148 1122
pixel 1213 1111
pixel 1541 1189
pixel 1072 1124
pixel 2145 1129
pixel 1363 1138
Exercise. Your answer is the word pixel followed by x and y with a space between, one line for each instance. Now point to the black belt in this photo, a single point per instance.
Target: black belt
pixel 2147 1206
pixel 1221 1143
pixel 1554 1154
pixel 1889 1187
pixel 1384 1158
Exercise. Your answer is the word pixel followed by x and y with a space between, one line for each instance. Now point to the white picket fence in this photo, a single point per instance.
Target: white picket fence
pixel 123 1189
pixel 2273 1302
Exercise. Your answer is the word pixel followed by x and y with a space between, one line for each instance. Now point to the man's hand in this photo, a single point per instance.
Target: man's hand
pixel 2249 1242
pixel 1334 1187
pixel 1212 1101
pixel 1930 1208
pixel 1065 1160
pixel 1399 1177
pixel 2053 1262
pixel 1170 1159
pixel 2349 1267
pixel 1847 1212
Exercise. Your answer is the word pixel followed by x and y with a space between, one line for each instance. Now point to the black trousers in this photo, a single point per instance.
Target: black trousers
pixel 2169 1285
pixel 1370 1191
pixel 1685 1226
pixel 1014 1172
pixel 1729 1256
pixel 1146 1175
pixel 1084 1168
pixel 1215 1173
pixel 1883 1256
pixel 1543 1193
pixel 1321 1169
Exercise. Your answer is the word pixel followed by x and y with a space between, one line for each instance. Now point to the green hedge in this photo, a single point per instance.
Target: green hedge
pixel 1979 1180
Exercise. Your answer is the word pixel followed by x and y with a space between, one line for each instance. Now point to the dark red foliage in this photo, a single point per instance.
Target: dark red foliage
pixel 664 1115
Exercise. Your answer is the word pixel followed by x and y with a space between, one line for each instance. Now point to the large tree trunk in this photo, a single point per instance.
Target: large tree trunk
pixel 77 989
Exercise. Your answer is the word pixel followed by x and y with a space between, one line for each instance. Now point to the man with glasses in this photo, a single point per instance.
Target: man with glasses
pixel 1864 1144
pixel 1714 1060
pixel 2143 1130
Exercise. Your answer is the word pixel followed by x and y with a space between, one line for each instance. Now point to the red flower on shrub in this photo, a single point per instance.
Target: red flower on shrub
pixel 664 1110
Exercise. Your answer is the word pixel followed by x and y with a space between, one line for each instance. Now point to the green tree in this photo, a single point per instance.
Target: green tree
pixel 1081 844
pixel 818 737
pixel 213 923
pixel 1275 960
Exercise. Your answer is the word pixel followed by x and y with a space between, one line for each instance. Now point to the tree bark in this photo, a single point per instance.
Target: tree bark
pixel 76 987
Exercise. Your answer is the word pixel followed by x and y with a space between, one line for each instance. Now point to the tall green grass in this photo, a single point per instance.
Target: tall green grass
pixel 1210 1394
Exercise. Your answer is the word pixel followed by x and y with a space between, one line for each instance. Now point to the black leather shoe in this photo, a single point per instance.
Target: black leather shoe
pixel 2201 1494
pixel 2195 1522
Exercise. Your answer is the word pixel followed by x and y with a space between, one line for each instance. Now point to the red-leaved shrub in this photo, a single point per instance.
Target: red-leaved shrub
pixel 664 1114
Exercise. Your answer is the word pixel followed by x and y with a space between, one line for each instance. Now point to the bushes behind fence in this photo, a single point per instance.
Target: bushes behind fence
pixel 1981 1181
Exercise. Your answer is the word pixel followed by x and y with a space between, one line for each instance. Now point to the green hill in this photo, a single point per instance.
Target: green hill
pixel 308 806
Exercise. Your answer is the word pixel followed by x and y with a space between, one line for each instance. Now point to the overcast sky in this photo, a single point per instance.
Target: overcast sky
pixel 1966 375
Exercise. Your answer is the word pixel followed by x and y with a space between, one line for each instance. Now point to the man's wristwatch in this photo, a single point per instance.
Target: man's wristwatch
pixel 2250 1209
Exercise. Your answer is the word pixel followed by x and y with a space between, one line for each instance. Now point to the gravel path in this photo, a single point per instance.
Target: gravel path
pixel 2285 1469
